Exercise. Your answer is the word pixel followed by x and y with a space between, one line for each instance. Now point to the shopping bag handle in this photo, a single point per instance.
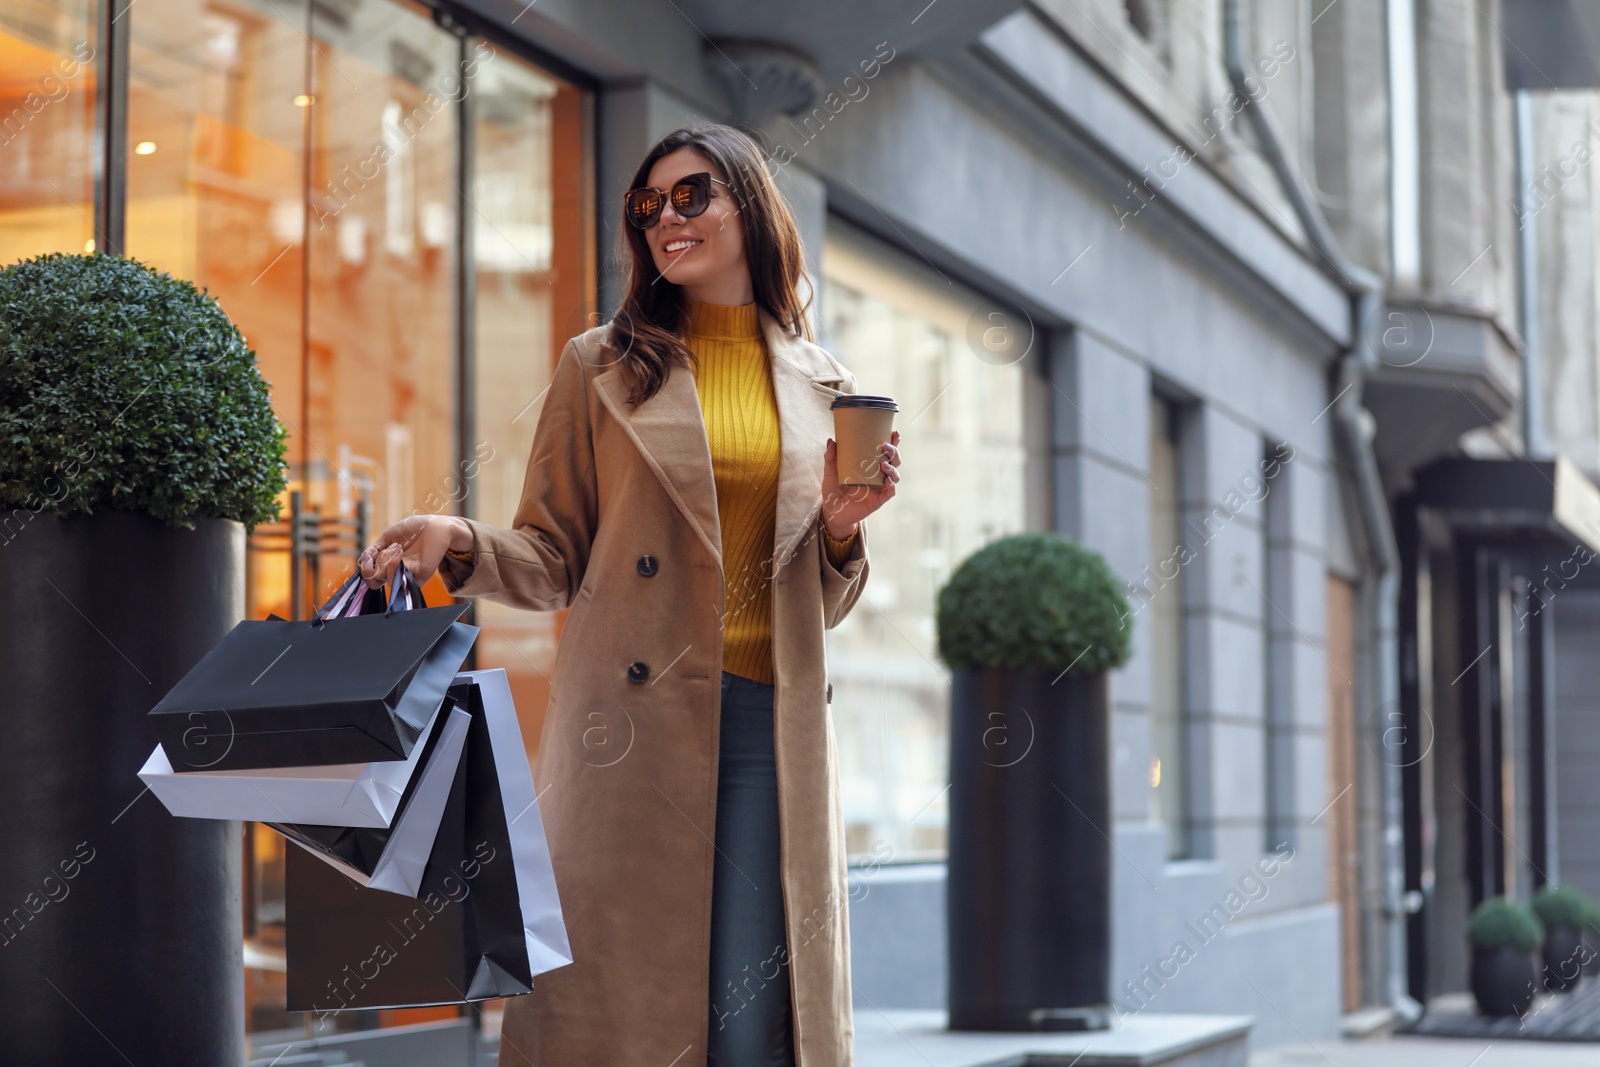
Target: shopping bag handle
pixel 405 581
pixel 340 600
pixel 349 599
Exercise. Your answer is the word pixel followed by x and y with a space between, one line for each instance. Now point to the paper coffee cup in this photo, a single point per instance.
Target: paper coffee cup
pixel 861 424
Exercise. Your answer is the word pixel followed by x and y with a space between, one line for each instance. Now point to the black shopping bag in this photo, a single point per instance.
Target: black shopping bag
pixel 486 919
pixel 339 688
pixel 353 947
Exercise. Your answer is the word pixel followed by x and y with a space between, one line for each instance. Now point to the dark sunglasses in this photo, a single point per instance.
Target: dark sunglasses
pixel 690 197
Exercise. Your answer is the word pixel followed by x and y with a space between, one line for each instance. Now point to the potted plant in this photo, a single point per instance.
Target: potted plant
pixel 1030 625
pixel 137 446
pixel 1505 940
pixel 1564 912
pixel 1591 939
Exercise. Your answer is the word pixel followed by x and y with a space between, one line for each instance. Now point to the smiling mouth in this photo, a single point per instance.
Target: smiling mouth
pixel 678 245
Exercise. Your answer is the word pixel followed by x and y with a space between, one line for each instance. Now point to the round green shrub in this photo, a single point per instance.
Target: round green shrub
pixel 123 388
pixel 1501 923
pixel 1559 905
pixel 1033 600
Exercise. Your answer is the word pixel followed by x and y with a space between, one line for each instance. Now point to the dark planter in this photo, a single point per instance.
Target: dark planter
pixel 1563 958
pixel 1503 980
pixel 1591 954
pixel 1029 891
pixel 120 926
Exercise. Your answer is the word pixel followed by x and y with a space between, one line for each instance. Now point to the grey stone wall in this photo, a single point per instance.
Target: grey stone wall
pixel 1351 143
pixel 1467 157
pixel 1565 222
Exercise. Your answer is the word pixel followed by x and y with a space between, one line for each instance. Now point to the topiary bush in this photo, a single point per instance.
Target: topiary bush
pixel 1559 905
pixel 1033 600
pixel 1501 923
pixel 123 388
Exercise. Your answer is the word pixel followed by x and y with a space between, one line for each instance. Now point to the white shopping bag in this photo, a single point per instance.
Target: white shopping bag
pixel 348 794
pixel 405 846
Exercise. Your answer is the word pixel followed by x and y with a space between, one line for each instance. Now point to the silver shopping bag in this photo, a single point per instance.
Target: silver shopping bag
pixel 394 859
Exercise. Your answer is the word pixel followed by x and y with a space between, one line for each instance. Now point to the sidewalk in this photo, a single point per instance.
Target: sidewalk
pixel 1573 1016
pixel 1429 1052
pixel 902 1037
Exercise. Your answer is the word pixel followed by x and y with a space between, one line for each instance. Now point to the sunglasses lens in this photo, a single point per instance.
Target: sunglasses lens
pixel 690 197
pixel 644 207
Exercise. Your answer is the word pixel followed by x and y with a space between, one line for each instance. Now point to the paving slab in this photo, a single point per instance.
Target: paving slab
pixel 1409 1051
pixel 1571 1016
pixel 904 1038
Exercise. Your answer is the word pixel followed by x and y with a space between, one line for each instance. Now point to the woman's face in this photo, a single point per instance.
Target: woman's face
pixel 705 255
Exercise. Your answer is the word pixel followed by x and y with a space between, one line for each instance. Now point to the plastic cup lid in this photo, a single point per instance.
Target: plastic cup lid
pixel 864 400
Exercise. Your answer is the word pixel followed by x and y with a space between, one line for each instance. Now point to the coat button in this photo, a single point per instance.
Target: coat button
pixel 648 566
pixel 638 672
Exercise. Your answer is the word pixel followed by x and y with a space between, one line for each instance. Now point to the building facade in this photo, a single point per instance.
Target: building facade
pixel 1209 286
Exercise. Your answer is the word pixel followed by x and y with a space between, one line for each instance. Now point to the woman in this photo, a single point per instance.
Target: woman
pixel 683 497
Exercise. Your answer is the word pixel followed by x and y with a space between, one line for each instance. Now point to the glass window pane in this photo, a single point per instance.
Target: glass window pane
pixel 533 256
pixel 312 188
pixel 902 330
pixel 1168 760
pixel 215 194
pixel 47 89
pixel 380 407
pixel 215 191
pixel 1278 645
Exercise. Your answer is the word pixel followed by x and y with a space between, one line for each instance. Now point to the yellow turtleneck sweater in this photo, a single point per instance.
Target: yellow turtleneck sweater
pixel 740 411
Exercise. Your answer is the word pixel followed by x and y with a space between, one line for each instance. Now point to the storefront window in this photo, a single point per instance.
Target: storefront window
pixel 48 71
pixel 304 163
pixel 905 330
pixel 215 177
pixel 533 256
pixel 1169 719
pixel 379 417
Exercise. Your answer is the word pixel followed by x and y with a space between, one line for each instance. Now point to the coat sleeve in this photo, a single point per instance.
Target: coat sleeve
pixel 841 586
pixel 539 563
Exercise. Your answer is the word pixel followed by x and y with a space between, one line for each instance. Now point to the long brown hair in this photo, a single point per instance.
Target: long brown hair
pixel 649 326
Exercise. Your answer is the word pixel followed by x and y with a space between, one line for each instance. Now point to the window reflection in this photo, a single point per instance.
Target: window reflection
pixel 1169 764
pixel 534 264
pixel 903 330
pixel 47 90
pixel 379 413
pixel 304 165
pixel 214 172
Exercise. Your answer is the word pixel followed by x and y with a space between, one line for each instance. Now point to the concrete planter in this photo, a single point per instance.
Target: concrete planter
pixel 121 924
pixel 1563 956
pixel 1504 980
pixel 1029 891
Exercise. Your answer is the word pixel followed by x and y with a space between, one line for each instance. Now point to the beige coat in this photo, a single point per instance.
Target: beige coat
pixel 619 519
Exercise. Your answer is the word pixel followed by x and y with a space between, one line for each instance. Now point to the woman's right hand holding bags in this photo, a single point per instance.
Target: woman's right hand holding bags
pixel 421 540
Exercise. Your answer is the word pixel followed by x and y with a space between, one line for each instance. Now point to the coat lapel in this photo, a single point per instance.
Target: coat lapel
pixel 805 384
pixel 670 434
pixel 669 431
